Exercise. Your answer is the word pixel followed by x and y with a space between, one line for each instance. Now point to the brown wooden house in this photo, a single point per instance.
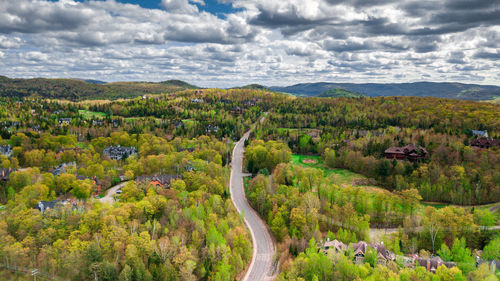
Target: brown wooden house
pixel 411 152
pixel 482 142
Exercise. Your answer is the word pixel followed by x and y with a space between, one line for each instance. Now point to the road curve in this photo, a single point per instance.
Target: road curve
pixel 110 193
pixel 261 267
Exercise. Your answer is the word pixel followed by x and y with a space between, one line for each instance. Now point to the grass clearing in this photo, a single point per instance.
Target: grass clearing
pixel 91 114
pixel 339 176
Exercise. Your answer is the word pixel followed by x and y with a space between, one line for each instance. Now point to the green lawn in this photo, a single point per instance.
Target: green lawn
pixel 339 176
pixel 91 114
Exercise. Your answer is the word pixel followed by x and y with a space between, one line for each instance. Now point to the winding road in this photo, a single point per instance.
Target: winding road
pixel 262 264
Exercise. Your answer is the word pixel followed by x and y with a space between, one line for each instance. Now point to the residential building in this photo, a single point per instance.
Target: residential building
pixel 431 264
pixel 6 150
pixel 479 133
pixel 483 142
pixel 119 152
pixel 411 152
pixel 158 180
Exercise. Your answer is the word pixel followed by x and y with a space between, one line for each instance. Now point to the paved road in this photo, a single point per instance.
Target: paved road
pixel 262 265
pixel 110 193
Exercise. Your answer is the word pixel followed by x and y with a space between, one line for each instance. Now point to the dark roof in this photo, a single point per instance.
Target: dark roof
pixel 359 248
pixel 119 152
pixel 484 142
pixel 42 206
pixel 162 179
pixel 409 150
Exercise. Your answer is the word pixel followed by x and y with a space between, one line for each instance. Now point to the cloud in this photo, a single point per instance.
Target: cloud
pixel 10 42
pixel 268 42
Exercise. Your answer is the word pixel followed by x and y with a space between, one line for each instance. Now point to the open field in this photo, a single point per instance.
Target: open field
pixel 91 114
pixel 339 176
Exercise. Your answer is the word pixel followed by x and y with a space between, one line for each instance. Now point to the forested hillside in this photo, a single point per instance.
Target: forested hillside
pixel 75 90
pixel 137 189
pixel 419 89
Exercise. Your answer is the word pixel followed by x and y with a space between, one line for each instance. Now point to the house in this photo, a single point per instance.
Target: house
pixel 224 101
pixel 493 264
pixel 158 180
pixel 189 167
pixel 483 142
pixel 61 169
pixel 97 122
pixel 6 150
pixel 431 264
pixel 36 128
pixel 383 254
pixel 198 92
pixel 479 133
pixel 119 152
pixel 197 100
pixel 64 121
pixel 5 173
pixel 43 206
pixel 212 129
pixel 411 152
pixel 338 246
pixel 249 103
pixel 116 123
pixel 359 250
pixel 179 124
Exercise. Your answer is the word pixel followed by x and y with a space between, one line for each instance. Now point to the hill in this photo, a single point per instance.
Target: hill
pixel 337 93
pixel 75 89
pixel 253 87
pixel 418 89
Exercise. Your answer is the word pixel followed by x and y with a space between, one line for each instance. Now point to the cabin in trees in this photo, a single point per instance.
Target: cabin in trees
pixel 97 122
pixel 6 150
pixel 62 168
pixel 197 100
pixel 383 254
pixel 119 152
pixel 179 124
pixel 249 103
pixel 411 152
pixel 431 264
pixel 212 129
pixel 483 142
pixel 43 206
pixel 64 121
pixel 163 181
pixel 5 173
pixel 338 246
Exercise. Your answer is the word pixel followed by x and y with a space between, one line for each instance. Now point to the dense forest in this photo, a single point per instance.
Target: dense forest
pixel 354 133
pixel 75 90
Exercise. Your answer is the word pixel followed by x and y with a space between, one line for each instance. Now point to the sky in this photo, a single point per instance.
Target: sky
pixel 225 43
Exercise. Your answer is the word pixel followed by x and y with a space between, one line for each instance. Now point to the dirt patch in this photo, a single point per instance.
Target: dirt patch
pixel 309 161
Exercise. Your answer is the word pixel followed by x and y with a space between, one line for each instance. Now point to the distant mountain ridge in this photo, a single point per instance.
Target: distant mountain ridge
pixel 418 89
pixel 78 89
pixel 337 93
